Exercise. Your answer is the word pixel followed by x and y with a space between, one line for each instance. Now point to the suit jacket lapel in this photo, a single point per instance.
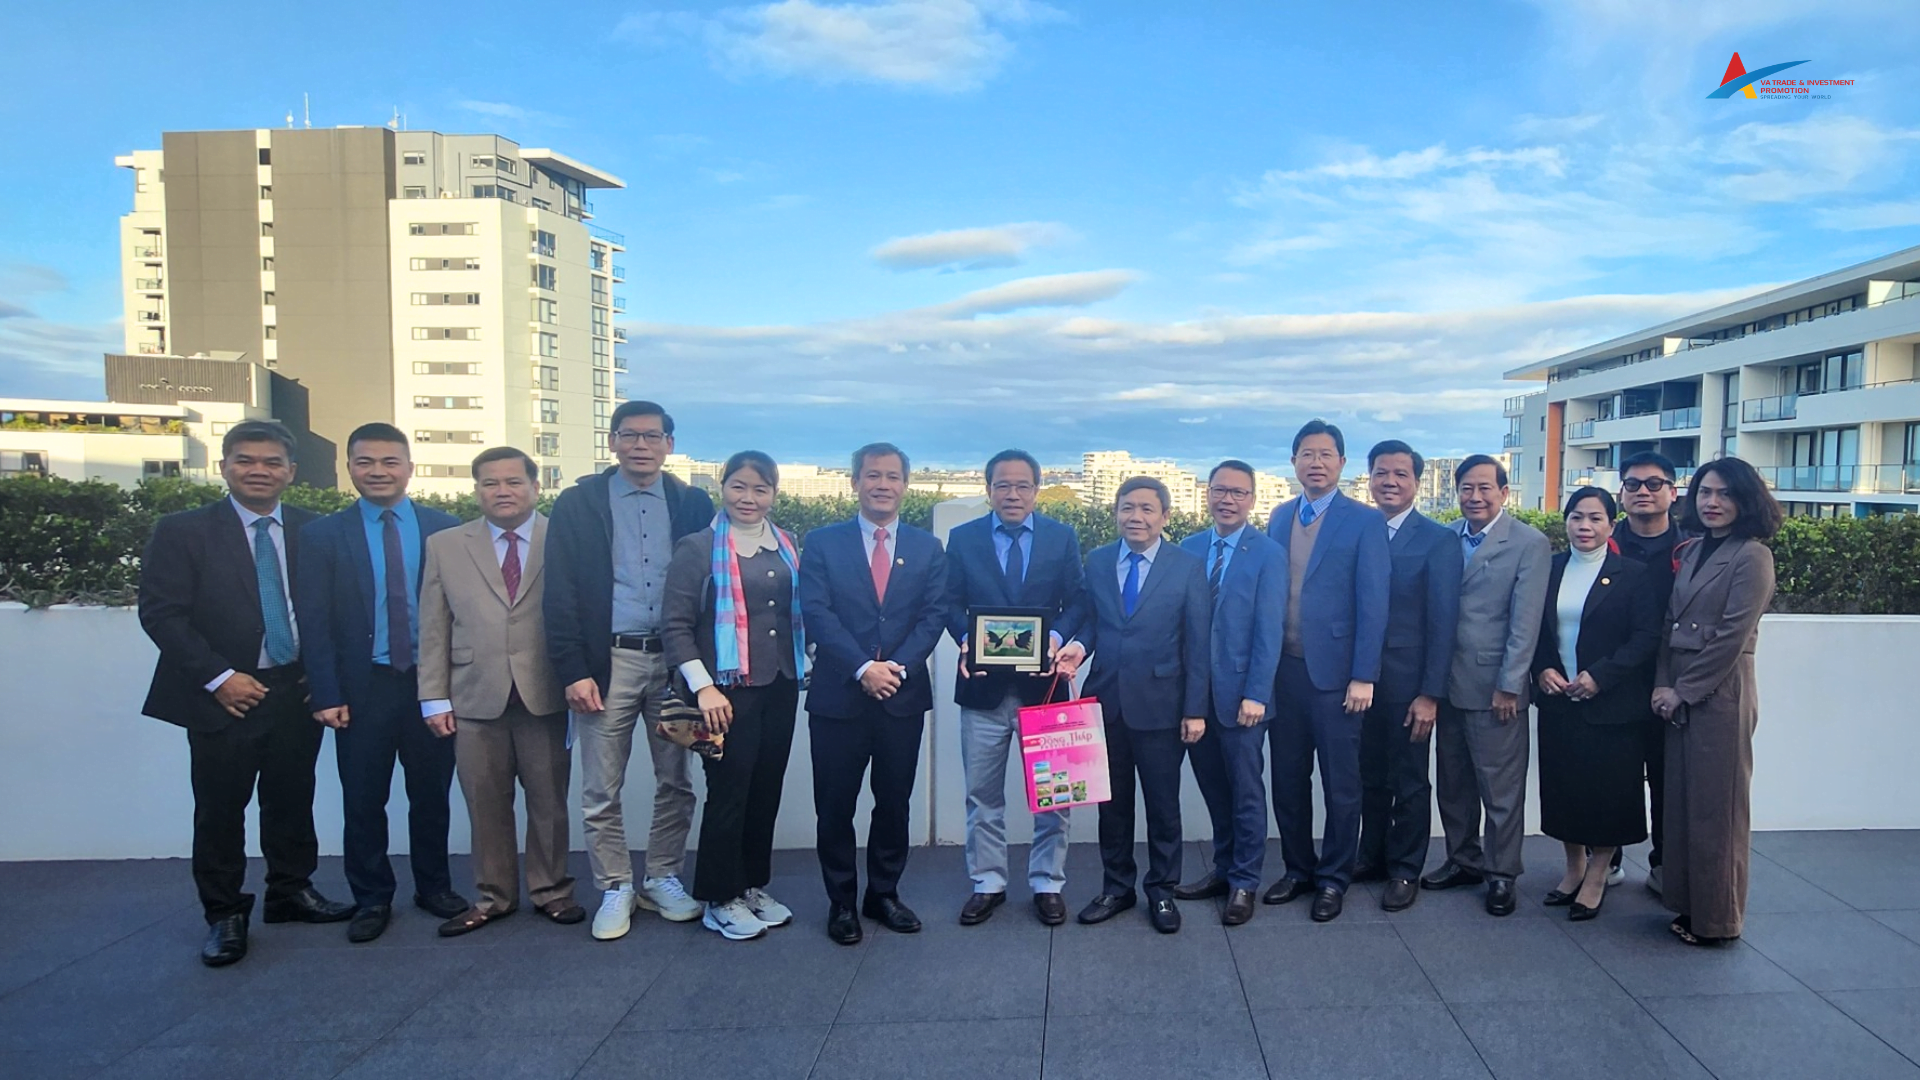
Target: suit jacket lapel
pixel 1285 515
pixel 535 559
pixel 230 538
pixel 1496 535
pixel 1603 586
pixel 356 542
pixel 479 544
pixel 1335 516
pixel 1691 583
pixel 1154 575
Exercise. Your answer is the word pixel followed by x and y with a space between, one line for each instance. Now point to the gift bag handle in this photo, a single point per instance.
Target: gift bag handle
pixel 1051 687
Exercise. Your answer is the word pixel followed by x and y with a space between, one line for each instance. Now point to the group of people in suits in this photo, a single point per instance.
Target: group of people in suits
pixel 1343 636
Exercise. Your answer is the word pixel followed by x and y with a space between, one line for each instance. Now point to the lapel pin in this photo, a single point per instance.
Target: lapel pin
pixel 1606 581
pixel 899 562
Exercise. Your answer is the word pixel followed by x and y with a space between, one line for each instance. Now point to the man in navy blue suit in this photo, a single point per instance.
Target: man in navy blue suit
pixel 358 592
pixel 1338 573
pixel 1013 557
pixel 1396 805
pixel 873 592
pixel 1247 578
pixel 1152 615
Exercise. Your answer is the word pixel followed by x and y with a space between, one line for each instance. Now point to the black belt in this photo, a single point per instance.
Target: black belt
pixel 281 675
pixel 647 643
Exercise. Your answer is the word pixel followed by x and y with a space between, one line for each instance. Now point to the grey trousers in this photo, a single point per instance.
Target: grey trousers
pixel 1481 762
pixel 634 693
pixel 490 756
pixel 987 738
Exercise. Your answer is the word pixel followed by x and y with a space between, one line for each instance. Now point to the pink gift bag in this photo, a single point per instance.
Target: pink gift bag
pixel 1063 754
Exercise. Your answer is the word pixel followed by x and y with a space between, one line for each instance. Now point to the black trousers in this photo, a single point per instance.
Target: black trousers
pixel 1396 792
pixel 743 792
pixel 274 746
pixel 1155 757
pixel 843 748
pixel 1308 720
pixel 387 727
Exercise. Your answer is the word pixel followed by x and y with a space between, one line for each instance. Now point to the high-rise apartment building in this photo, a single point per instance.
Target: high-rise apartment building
pixel 451 285
pixel 1816 383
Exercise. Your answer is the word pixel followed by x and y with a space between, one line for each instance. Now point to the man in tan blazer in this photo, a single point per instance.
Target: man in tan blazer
pixel 486 681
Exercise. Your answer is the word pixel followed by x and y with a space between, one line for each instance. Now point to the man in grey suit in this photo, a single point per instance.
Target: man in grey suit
pixel 1481 741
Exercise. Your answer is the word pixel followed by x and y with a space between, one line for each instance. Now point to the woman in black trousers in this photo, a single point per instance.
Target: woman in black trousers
pixel 734 632
pixel 1594 668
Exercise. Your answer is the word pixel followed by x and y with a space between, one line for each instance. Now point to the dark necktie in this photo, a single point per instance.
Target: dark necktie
pixel 510 566
pixel 1474 540
pixel 1130 591
pixel 1219 567
pixel 399 626
pixel 1016 562
pixel 273 596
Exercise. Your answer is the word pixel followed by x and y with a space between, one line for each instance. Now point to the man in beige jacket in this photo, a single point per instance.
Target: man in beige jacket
pixel 486 681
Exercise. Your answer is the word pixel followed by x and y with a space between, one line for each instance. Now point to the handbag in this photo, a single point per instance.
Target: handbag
pixel 1063 753
pixel 684 725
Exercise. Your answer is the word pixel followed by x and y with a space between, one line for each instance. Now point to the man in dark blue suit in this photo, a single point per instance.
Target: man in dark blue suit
pixel 1247 577
pixel 1336 622
pixel 358 592
pixel 873 592
pixel 1396 806
pixel 1152 615
pixel 1013 557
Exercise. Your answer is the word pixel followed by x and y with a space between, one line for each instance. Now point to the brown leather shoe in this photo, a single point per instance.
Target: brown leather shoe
pixel 979 907
pixel 1239 908
pixel 1050 908
pixel 1286 889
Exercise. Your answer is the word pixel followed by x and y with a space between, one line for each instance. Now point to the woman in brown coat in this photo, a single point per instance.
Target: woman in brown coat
pixel 1704 687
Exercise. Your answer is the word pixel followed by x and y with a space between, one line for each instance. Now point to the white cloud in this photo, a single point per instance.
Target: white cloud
pixel 1818 155
pixel 1361 164
pixel 1052 290
pixel 969 249
pixel 941 45
pixel 501 110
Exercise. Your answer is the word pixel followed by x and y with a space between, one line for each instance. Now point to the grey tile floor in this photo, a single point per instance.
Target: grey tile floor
pixel 98 978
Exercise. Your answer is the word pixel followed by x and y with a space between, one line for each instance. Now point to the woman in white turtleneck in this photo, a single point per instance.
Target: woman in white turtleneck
pixel 1594 668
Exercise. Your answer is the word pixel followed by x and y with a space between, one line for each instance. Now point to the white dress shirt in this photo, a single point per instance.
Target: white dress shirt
pixel 278 531
pixel 1397 520
pixel 1146 564
pixel 892 542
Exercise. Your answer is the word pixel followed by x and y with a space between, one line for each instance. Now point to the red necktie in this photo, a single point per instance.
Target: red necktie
pixel 882 566
pixel 510 566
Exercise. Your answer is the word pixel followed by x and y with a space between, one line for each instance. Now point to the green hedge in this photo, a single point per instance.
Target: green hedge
pixel 63 541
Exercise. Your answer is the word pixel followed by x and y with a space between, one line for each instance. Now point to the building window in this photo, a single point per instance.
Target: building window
pixel 548 344
pixel 270 333
pixel 600 451
pixel 547 311
pixel 150 470
pixel 413 157
pixel 266 156
pixel 446 333
pixel 266 263
pixel 600 358
pixel 490 191
pixel 443 264
pixel 598 257
pixel 551 477
pixel 429 435
pixel 266 228
pixel 266 192
pixel 602 383
pixel 548 378
pixel 547 444
pixel 435 367
pixel 602 409
pixel 424 401
pixel 600 322
pixel 444 472
pixel 441 228
pixel 266 298
pixel 421 299
pixel 549 411
pixel 545 276
pixel 413 192
pixel 544 242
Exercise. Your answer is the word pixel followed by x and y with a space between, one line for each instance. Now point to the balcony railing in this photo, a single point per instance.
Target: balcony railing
pixel 619 272
pixel 149 316
pixel 608 235
pixel 147 284
pixel 619 303
pixel 1763 410
pixel 146 252
pixel 620 364
pixel 1851 479
pixel 1581 430
pixel 1680 419
pixel 1509 441
pixel 619 336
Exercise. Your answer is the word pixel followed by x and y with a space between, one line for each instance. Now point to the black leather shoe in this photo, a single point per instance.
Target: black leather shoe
pixel 1400 894
pixel 444 904
pixel 1500 896
pixel 843 926
pixel 226 942
pixel 1239 908
pixel 1328 904
pixel 1556 898
pixel 1205 889
pixel 307 906
pixel 1369 871
pixel 979 907
pixel 1050 908
pixel 1104 907
pixel 1579 912
pixel 1286 889
pixel 1165 917
pixel 369 923
pixel 1451 876
pixel 889 912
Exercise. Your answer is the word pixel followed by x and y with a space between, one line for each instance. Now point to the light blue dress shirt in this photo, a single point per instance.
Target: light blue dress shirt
pixel 1002 543
pixel 1226 553
pixel 409 555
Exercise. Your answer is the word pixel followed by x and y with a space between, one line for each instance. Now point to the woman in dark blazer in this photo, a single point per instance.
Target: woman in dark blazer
pixel 1594 668
pixel 732 628
pixel 1704 687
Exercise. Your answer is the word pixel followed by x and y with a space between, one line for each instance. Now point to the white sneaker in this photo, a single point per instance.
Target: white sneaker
pixel 667 897
pixel 733 921
pixel 615 916
pixel 1653 881
pixel 1616 875
pixel 765 908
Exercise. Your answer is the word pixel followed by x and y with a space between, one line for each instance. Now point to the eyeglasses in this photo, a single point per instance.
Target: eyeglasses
pixel 629 437
pixel 1230 493
pixel 1655 484
pixel 1007 487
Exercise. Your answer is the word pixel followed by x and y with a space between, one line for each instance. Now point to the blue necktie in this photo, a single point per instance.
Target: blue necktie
pixel 1016 562
pixel 273 595
pixel 1130 592
pixel 1219 569
pixel 399 596
pixel 1307 514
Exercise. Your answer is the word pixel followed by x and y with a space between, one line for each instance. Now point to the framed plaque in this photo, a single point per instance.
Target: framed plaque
pixel 1012 639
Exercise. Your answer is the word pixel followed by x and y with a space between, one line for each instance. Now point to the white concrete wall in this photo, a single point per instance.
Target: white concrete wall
pixel 84 775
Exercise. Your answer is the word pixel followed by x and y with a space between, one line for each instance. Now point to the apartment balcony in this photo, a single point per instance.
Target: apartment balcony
pixel 1509 441
pixel 1843 479
pixel 146 251
pixel 147 284
pixel 611 237
pixel 148 317
pixel 1769 410
pixel 1687 419
pixel 620 364
pixel 619 273
pixel 1895 401
pixel 619 303
pixel 1635 428
pixel 619 336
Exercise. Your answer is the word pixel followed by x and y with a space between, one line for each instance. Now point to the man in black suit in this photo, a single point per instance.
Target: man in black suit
pixel 873 592
pixel 1423 604
pixel 214 598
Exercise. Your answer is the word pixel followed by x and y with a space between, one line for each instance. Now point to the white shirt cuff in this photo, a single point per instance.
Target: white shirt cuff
pixel 696 675
pixel 435 707
pixel 219 679
pixel 861 671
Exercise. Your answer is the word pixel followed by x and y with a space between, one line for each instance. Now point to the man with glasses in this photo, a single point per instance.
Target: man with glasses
pixel 608 545
pixel 1011 558
pixel 1248 579
pixel 1647 492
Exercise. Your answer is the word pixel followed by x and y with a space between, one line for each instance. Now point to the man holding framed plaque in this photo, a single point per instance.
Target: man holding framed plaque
pixel 1018 573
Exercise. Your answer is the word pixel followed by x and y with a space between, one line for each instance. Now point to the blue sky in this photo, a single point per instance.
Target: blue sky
pixel 1175 229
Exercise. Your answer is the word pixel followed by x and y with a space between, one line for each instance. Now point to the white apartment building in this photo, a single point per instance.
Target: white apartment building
pixel 114 441
pixel 451 285
pixel 1816 384
pixel 1105 470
